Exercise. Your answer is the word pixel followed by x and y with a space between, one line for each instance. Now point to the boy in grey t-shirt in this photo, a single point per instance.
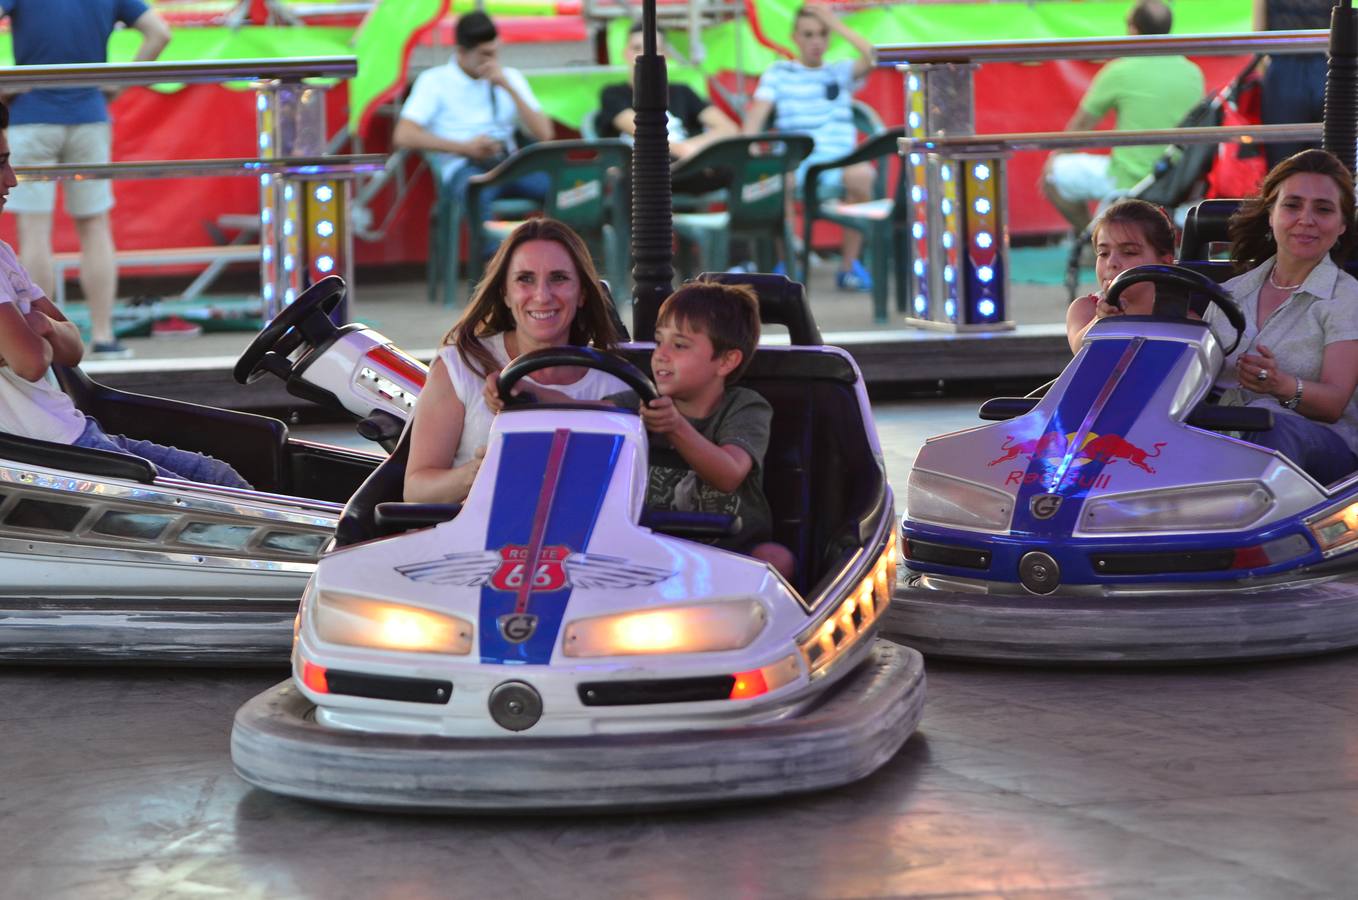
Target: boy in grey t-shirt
pixel 708 438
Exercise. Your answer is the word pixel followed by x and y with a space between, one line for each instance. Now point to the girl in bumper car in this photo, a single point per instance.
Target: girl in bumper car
pixel 1299 352
pixel 540 290
pixel 1128 233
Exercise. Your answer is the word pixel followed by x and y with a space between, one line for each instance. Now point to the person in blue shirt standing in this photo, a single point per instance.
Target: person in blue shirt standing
pixel 71 125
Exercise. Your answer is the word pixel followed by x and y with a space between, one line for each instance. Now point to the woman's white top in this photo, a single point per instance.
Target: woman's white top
pixel 1323 310
pixel 36 409
pixel 595 385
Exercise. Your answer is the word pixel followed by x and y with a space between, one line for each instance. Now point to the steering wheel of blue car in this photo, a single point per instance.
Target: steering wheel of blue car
pixel 305 320
pixel 584 357
pixel 1188 281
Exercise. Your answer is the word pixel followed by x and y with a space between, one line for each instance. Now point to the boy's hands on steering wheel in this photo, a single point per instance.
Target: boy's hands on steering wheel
pixel 661 416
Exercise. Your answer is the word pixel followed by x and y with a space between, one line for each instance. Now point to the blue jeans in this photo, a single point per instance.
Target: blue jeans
pixel 529 187
pixel 1317 449
pixel 169 461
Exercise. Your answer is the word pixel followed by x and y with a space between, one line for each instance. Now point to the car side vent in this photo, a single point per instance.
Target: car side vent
pixel 45 515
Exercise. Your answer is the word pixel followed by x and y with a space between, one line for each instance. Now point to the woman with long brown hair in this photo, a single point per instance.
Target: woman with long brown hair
pixel 1299 353
pixel 540 290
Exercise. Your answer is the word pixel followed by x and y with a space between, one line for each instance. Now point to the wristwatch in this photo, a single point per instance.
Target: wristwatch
pixel 1295 400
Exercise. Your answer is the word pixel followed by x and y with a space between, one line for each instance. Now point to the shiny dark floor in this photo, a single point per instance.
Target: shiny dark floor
pixel 1224 781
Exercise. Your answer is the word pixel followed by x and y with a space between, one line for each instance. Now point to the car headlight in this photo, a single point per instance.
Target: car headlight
pixel 944 500
pixel 723 625
pixel 1214 507
pixel 1335 529
pixel 366 622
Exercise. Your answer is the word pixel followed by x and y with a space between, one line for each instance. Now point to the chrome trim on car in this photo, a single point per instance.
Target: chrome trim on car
pixel 43 507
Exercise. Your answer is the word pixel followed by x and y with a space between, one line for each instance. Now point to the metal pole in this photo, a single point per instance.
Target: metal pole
pixel 1273 43
pixel 652 206
pixel 1341 85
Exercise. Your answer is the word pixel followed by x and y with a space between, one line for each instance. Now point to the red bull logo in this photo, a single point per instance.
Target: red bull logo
pixel 550 574
pixel 1052 444
pixel 1107 448
pixel 1053 448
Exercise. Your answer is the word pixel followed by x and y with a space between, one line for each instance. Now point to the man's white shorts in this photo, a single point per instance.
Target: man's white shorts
pixel 1081 176
pixel 44 145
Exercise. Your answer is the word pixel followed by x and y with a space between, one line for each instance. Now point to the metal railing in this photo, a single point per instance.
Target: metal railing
pixel 958 216
pixel 1004 144
pixel 1045 50
pixel 102 75
pixel 191 168
pixel 297 183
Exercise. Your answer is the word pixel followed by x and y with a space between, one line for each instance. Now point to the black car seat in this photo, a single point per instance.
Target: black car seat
pixel 256 446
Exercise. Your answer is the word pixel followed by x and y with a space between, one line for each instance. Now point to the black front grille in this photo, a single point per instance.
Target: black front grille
pixel 1162 563
pixel 669 690
pixel 946 554
pixel 388 687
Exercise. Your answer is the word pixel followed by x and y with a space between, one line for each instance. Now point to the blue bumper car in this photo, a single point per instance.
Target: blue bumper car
pixel 1116 519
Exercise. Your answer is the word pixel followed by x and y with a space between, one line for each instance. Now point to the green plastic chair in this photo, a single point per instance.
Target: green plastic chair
pixel 753 168
pixel 882 222
pixel 445 236
pixel 584 194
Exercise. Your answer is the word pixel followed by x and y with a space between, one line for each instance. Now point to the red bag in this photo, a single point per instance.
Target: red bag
pixel 1239 168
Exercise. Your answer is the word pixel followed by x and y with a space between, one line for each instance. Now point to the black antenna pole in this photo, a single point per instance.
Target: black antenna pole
pixel 652 207
pixel 1341 85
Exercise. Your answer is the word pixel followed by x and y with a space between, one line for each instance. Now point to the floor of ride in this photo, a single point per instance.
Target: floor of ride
pixel 1224 781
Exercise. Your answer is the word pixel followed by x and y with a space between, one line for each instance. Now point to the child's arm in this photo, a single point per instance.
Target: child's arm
pixel 60 332
pixel 724 467
pixel 27 353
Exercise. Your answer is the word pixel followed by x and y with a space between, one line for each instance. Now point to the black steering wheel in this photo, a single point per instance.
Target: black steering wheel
pixel 619 368
pixel 305 320
pixel 1187 280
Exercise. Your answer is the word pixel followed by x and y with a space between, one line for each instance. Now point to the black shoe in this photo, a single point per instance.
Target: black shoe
pixel 114 349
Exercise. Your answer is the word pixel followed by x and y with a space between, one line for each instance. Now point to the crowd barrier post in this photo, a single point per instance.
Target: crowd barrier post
pixel 303 220
pixel 957 279
pixel 958 276
pixel 304 194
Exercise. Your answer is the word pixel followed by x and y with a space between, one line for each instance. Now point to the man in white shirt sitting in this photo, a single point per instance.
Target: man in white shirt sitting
pixel 465 113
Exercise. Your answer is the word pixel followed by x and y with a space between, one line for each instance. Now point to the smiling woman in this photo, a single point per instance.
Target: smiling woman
pixel 540 290
pixel 1298 355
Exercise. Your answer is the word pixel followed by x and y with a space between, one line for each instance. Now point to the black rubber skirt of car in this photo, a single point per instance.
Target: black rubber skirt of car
pixel 277 745
pixel 1273 621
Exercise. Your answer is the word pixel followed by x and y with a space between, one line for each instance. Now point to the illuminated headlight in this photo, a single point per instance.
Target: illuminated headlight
pixel 1335 529
pixel 852 619
pixel 1216 507
pixel 944 500
pixel 365 622
pixel 707 628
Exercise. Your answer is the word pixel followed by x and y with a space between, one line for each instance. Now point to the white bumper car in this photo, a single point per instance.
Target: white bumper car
pixel 551 644
pixel 107 563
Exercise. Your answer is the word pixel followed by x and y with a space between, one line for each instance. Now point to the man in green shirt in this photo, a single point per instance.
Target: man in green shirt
pixel 1144 92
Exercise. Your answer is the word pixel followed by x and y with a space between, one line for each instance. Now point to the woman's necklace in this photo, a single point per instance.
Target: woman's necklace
pixel 1273 280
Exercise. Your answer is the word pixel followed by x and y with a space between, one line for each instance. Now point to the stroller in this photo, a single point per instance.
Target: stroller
pixel 1183 174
